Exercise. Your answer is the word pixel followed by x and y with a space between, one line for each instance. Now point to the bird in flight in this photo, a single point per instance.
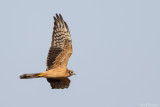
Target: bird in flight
pixel 59 53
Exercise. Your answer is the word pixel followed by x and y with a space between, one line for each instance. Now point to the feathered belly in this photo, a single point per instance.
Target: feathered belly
pixel 55 74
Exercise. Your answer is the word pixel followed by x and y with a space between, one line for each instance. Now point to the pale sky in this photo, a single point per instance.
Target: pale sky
pixel 116 53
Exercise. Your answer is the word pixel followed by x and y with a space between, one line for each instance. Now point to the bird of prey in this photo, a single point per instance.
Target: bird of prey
pixel 59 53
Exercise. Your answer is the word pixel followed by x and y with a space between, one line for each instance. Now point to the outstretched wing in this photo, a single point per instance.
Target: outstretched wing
pixel 57 83
pixel 61 45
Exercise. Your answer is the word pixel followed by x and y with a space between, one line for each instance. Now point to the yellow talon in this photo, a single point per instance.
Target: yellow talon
pixel 40 75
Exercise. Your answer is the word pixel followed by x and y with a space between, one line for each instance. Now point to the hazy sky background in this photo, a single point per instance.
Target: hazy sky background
pixel 116 52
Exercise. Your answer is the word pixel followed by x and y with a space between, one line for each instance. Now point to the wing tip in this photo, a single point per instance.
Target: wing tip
pixel 59 19
pixel 54 18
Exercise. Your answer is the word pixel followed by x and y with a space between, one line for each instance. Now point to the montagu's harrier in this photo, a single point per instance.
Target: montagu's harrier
pixel 59 53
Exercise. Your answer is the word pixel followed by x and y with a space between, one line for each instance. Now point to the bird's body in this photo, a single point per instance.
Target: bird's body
pixel 59 53
pixel 55 73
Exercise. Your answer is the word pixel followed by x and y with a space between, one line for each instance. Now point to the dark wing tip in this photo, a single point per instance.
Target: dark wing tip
pixel 61 18
pixel 57 16
pixel 60 15
pixel 66 26
pixel 54 18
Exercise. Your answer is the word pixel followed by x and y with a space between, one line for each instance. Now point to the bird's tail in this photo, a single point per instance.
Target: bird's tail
pixel 28 76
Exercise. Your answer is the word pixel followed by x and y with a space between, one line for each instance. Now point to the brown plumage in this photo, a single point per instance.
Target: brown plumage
pixel 59 53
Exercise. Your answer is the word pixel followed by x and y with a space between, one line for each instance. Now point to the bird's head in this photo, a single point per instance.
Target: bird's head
pixel 71 72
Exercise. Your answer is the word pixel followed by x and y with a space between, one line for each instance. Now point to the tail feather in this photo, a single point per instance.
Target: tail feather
pixel 28 76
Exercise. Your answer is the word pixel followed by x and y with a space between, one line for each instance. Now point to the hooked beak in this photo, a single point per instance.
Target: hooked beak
pixel 74 73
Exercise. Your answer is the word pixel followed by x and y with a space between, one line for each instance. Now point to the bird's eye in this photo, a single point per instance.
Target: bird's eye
pixel 70 72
